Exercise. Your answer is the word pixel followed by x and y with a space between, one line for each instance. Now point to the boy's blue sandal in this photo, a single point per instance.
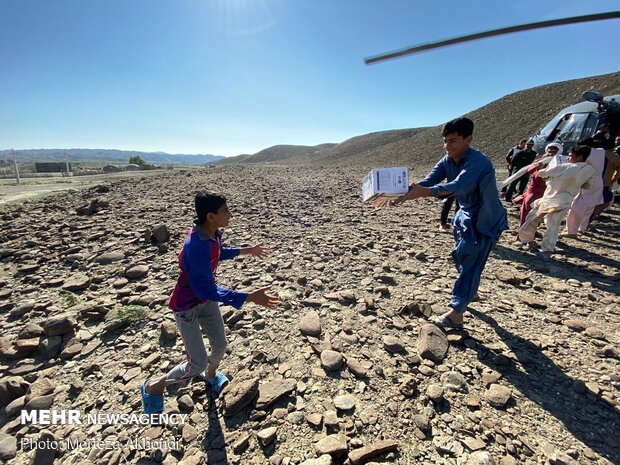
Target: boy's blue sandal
pixel 151 403
pixel 218 382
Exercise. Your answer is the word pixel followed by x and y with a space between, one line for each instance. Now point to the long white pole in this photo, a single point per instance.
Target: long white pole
pixel 15 164
pixel 67 162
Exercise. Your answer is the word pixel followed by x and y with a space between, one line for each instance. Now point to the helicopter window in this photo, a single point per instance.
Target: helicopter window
pixel 576 126
pixel 549 127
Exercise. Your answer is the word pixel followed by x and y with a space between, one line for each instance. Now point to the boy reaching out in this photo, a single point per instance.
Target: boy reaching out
pixel 195 298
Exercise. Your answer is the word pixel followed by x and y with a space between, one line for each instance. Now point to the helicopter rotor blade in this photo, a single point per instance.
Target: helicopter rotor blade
pixel 491 33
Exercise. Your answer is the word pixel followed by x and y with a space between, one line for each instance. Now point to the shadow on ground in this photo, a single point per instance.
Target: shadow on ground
pixel 591 421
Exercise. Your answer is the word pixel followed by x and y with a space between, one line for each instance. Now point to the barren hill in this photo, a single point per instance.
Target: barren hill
pixel 275 154
pixel 499 125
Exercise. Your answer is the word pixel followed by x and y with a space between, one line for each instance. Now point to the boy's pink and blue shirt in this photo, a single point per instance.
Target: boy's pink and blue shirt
pixel 198 261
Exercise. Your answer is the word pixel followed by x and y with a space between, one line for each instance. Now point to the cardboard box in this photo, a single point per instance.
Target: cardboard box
pixel 385 181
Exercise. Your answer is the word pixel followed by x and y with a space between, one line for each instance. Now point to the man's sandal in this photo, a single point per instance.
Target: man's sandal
pixel 445 322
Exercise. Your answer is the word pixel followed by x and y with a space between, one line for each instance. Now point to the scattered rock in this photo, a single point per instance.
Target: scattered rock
pixel 186 404
pixel 189 433
pixel 334 445
pixel 77 282
pixel 239 394
pixel 432 343
pixel 356 368
pixel 22 308
pixel 310 324
pixel 59 325
pixel 474 444
pixel 8 447
pixel 159 234
pixel 47 454
pixel 498 395
pixel 137 272
pixel 409 386
pixel 435 392
pixel 344 403
pixel 110 257
pixel 454 381
pixel 40 403
pixel 533 302
pixel 271 391
pixel 267 436
pixel 241 444
pixel 169 331
pixel 314 419
pixel 393 344
pixel 324 459
pixel 332 360
pixel 41 387
pixel 480 458
pixel 11 388
pixel 576 325
pixel 362 455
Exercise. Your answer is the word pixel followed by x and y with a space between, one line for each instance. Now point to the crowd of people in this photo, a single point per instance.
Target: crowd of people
pixel 553 188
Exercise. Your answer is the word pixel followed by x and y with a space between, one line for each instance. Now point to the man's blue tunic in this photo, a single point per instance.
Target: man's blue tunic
pixel 479 221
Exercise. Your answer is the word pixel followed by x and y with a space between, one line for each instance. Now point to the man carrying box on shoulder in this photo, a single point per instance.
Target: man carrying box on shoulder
pixel 480 219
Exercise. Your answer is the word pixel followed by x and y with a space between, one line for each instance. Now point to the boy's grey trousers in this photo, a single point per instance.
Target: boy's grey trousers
pixel 208 317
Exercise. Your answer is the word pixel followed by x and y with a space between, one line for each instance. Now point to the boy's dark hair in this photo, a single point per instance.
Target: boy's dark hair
pixel 582 151
pixel 205 203
pixel 461 126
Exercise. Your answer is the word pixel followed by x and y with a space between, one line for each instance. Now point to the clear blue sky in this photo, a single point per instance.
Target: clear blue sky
pixel 235 76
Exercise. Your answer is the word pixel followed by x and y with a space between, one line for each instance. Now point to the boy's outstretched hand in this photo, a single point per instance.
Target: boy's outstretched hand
pixel 260 297
pixel 259 250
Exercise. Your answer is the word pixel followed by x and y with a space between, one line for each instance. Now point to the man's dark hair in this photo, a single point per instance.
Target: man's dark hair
pixel 205 203
pixel 582 151
pixel 461 126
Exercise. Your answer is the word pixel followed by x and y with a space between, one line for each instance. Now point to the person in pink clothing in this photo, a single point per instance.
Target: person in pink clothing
pixel 589 197
pixel 536 188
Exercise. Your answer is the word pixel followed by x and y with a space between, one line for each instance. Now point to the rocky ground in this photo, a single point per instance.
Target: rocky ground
pixel 346 369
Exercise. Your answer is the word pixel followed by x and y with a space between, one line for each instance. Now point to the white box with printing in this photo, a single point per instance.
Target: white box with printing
pixel 385 181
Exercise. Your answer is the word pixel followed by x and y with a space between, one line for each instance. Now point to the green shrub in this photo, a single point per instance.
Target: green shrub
pixel 69 299
pixel 137 160
pixel 129 314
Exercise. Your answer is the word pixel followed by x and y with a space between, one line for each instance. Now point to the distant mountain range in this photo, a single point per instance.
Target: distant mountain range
pixel 499 126
pixel 107 156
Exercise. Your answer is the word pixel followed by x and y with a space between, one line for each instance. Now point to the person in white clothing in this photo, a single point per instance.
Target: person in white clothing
pixel 564 182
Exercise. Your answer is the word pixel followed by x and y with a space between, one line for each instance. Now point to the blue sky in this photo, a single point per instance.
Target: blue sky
pixel 235 76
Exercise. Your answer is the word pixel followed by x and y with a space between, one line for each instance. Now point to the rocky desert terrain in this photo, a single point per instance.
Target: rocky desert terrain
pixel 346 370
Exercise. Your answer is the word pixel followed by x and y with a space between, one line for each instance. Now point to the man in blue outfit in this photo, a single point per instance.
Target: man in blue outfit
pixel 480 219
